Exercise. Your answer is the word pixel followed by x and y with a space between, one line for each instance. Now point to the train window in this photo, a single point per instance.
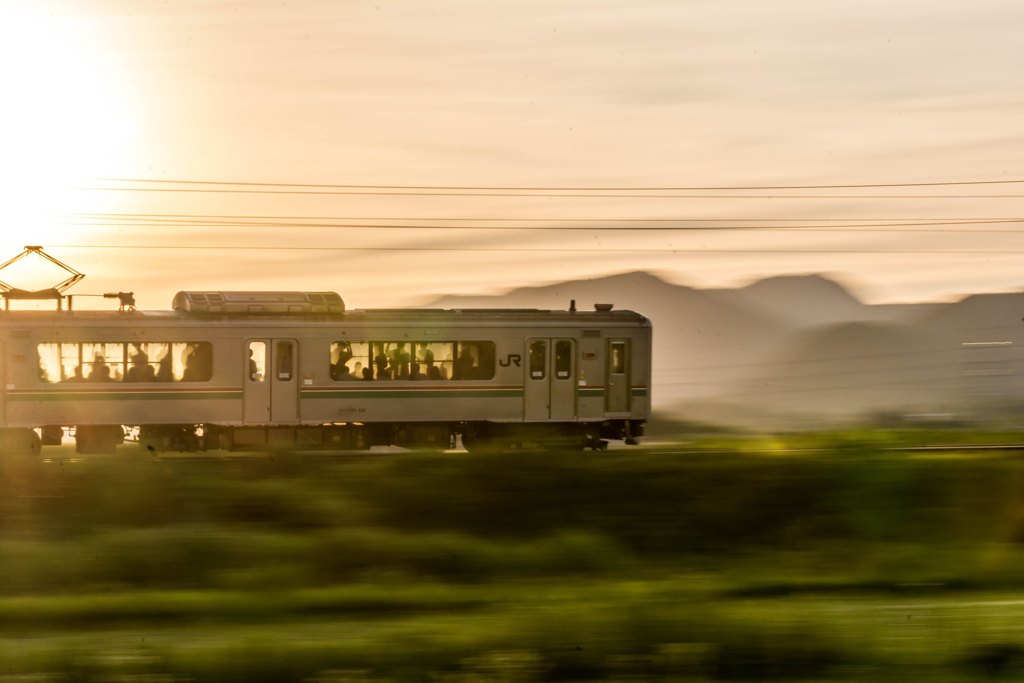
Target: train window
pixel 433 360
pixel 49 362
pixel 285 360
pixel 412 360
pixel 349 361
pixel 140 367
pixel 474 360
pixel 257 361
pixel 618 358
pixel 125 361
pixel 103 362
pixel 198 361
pixel 538 359
pixel 563 359
pixel 392 360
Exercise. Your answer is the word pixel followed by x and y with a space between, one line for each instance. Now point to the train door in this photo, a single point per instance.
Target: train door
pixel 271 382
pixel 618 393
pixel 550 390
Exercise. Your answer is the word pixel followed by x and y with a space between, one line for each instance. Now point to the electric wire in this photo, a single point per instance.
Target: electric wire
pixel 516 188
pixel 911 227
pixel 557 250
pixel 950 219
pixel 562 195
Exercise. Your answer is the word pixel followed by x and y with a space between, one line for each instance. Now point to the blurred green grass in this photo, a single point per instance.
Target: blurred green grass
pixel 823 557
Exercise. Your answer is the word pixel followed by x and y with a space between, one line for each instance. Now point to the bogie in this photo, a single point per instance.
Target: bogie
pixel 98 439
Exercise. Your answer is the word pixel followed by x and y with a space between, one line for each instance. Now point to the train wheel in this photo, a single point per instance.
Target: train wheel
pixel 487 446
pixel 565 441
pixel 150 443
pixel 483 439
pixel 20 442
pixel 155 439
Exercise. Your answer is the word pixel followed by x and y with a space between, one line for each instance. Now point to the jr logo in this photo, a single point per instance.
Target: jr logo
pixel 512 359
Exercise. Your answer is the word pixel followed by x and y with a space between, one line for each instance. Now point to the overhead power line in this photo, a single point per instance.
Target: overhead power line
pixel 540 250
pixel 536 188
pixel 951 219
pixel 911 227
pixel 541 194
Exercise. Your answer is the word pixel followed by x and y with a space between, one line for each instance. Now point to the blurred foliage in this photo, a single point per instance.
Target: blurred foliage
pixel 795 557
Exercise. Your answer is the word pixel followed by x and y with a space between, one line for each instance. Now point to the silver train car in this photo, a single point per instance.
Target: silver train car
pixel 296 371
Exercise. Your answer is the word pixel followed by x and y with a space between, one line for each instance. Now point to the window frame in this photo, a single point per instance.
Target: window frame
pixel 412 359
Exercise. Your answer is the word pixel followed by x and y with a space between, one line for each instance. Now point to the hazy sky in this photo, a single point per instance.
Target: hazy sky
pixel 533 93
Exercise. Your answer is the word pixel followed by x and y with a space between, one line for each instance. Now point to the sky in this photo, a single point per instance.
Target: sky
pixel 131 127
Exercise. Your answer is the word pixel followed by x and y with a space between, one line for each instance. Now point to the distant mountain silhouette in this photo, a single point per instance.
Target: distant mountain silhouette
pixel 805 348
pixel 977 318
pixel 801 300
pixel 847 369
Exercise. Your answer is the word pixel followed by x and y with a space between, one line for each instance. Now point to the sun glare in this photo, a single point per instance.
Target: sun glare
pixel 65 118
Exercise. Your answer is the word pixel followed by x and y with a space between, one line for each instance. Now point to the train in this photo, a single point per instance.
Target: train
pixel 296 371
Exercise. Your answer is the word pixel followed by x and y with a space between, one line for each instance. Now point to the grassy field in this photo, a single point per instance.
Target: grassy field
pixel 819 558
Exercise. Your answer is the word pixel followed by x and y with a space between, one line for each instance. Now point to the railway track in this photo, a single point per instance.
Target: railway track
pixel 377 453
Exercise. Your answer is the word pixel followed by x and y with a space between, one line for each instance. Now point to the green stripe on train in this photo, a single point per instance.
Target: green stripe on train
pixel 414 393
pixel 114 396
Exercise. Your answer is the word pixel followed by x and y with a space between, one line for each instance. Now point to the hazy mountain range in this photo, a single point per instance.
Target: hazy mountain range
pixel 792 349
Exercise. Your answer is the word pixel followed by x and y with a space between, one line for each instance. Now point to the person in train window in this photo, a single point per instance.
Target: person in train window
pixel 100 371
pixel 427 368
pixel 380 362
pixel 485 361
pixel 76 375
pixel 465 364
pixel 140 370
pixel 400 362
pixel 191 371
pixel 164 372
pixel 254 370
pixel 344 374
pixel 198 364
pixel 340 369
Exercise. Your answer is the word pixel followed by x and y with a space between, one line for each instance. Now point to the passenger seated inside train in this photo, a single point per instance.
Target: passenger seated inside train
pixel 100 371
pixel 465 364
pixel 164 371
pixel 125 361
pixel 198 363
pixel 342 374
pixel 412 360
pixel 140 370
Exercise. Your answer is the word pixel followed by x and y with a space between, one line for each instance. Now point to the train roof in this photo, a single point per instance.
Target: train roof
pixel 315 308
